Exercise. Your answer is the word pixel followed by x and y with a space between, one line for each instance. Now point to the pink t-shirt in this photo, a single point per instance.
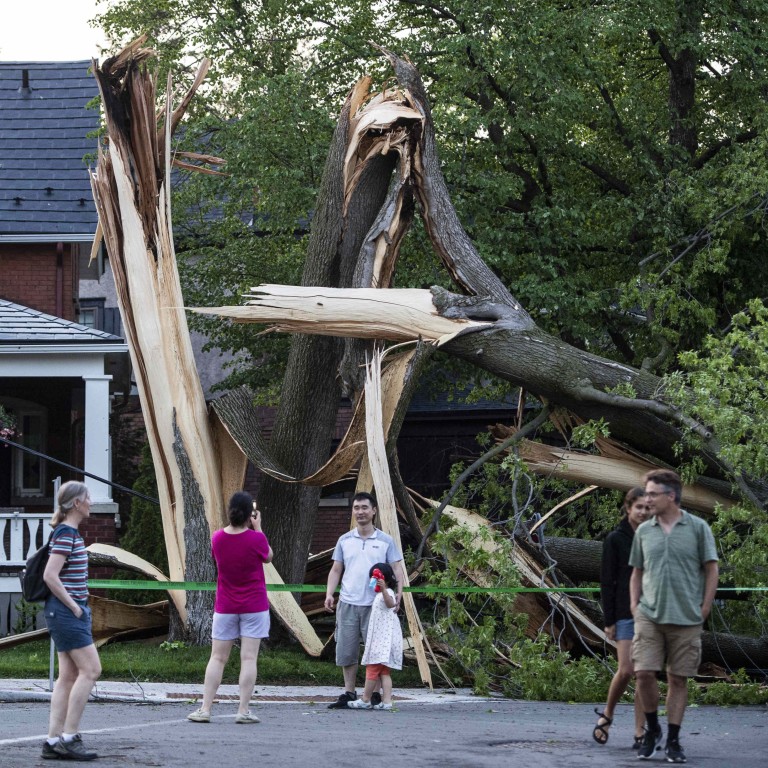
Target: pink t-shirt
pixel 240 557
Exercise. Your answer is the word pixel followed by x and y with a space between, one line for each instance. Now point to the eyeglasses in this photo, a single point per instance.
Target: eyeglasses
pixel 654 494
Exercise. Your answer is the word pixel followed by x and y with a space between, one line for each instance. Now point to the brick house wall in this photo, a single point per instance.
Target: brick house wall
pixel 41 276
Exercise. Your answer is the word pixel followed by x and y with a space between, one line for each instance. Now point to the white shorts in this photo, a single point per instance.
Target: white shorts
pixel 231 626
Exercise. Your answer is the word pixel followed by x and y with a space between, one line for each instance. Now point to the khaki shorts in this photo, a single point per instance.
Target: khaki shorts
pixel 679 645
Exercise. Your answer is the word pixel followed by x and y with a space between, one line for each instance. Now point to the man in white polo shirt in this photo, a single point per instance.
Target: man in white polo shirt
pixel 355 554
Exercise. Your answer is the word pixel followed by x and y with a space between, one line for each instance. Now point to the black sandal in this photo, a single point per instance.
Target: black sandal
pixel 638 742
pixel 600 727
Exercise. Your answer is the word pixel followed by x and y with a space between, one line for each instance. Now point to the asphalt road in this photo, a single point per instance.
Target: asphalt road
pixel 482 734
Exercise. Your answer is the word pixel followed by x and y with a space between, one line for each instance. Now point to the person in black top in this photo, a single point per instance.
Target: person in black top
pixel 615 573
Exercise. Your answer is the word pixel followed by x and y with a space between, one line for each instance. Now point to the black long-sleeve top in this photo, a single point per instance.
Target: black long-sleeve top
pixel 615 573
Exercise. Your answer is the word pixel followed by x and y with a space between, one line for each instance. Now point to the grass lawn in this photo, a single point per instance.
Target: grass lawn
pixel 150 662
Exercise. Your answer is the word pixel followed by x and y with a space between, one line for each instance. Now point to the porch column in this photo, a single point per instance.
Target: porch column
pixel 97 443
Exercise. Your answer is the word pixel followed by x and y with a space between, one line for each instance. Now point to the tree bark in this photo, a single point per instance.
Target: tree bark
pixel 513 348
pixel 578 559
pixel 306 416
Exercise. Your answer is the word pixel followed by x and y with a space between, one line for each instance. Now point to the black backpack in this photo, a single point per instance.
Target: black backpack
pixel 33 586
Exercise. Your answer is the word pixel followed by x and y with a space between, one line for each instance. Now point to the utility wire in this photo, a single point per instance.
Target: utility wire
pixel 45 456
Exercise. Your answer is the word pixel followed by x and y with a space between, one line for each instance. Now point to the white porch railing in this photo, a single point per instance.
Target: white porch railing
pixel 20 535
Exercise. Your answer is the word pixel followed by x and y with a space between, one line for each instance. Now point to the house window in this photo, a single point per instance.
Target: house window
pixel 88 317
pixel 91 313
pixel 29 470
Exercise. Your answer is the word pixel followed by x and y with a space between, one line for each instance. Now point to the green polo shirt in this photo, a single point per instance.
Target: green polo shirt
pixel 673 568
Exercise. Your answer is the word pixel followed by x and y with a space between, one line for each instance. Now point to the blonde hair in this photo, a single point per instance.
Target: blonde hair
pixel 69 493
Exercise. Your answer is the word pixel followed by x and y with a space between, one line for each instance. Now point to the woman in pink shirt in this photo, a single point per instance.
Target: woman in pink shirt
pixel 241 609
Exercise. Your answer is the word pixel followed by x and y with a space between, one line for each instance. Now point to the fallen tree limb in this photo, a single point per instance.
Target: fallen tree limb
pixel 377 460
pixel 403 314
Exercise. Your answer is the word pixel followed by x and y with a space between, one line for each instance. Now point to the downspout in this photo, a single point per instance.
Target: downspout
pixel 59 279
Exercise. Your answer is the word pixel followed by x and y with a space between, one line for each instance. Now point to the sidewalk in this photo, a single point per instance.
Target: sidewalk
pixel 160 693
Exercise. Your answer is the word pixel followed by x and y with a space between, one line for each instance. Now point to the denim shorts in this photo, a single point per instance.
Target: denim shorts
pixel 625 629
pixel 67 631
pixel 232 626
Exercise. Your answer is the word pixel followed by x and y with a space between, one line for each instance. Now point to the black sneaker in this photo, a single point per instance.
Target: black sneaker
pixel 341 702
pixel 49 753
pixel 651 742
pixel 375 699
pixel 73 750
pixel 674 752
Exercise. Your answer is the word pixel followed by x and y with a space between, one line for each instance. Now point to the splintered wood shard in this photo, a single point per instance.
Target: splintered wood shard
pixel 132 194
pixel 397 314
pixel 377 461
pixel 131 187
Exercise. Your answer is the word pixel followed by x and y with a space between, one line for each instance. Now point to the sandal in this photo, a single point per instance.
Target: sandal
pixel 638 742
pixel 600 728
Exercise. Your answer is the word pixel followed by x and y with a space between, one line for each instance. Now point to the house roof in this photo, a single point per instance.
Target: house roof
pixel 44 123
pixel 20 324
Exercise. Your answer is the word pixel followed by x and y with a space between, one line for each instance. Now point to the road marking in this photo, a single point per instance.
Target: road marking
pixel 94 731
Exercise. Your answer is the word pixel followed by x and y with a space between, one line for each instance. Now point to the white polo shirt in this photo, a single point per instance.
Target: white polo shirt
pixel 359 555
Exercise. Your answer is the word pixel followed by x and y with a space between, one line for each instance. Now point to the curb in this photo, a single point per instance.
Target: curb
pixel 20 691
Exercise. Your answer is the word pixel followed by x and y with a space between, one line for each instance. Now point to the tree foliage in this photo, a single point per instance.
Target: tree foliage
pixel 608 160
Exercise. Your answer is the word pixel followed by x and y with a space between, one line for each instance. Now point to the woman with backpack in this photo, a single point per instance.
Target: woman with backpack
pixel 69 622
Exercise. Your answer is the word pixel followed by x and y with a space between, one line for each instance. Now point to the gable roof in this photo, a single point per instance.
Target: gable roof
pixel 45 192
pixel 20 324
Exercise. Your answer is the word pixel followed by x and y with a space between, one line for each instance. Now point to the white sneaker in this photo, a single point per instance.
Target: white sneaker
pixel 248 717
pixel 382 706
pixel 359 704
pixel 199 716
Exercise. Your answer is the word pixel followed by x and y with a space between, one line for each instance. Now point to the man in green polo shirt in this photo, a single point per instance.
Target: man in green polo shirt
pixel 671 590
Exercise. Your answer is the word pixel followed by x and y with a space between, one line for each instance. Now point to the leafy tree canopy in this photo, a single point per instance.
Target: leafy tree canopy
pixel 608 160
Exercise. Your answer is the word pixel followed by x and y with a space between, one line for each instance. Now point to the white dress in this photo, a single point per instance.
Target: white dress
pixel 384 642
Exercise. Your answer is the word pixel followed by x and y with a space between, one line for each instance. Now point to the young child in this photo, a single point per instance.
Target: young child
pixel 383 644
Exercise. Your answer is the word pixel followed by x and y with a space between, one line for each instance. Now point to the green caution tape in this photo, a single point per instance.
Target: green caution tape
pixel 209 586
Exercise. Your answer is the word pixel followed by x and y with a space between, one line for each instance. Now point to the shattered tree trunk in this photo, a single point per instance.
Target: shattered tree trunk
pixel 132 194
pixel 492 330
pixel 306 415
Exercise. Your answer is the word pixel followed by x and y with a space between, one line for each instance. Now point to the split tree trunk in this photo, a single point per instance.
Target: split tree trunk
pixel 309 401
pixel 132 193
pixel 509 344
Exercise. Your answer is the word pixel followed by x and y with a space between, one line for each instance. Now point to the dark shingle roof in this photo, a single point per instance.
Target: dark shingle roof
pixel 23 324
pixel 44 185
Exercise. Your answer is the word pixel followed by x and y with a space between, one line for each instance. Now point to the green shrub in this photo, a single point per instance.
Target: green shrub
pixel 25 616
pixel 740 690
pixel 547 674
